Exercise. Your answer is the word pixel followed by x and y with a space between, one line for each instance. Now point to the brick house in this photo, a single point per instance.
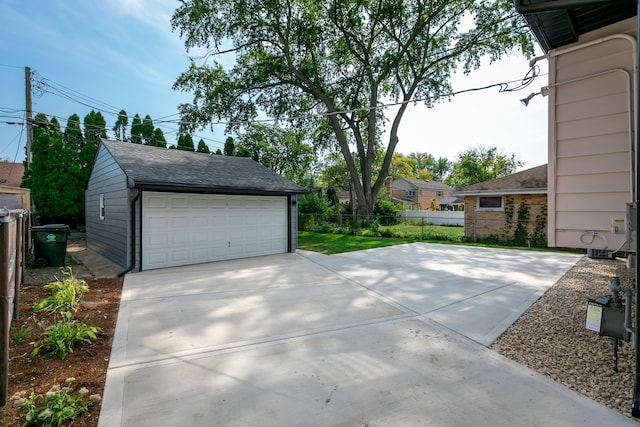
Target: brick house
pixel 494 207
pixel 417 194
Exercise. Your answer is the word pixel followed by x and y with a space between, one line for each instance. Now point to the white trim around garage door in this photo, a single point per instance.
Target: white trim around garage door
pixel 183 228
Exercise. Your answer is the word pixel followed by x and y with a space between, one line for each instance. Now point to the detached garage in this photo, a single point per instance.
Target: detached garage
pixel 150 207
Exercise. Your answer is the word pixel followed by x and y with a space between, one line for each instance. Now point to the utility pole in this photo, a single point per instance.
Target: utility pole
pixel 27 96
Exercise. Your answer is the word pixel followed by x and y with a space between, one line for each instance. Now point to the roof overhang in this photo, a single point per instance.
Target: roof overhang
pixel 557 23
pixel 173 188
pixel 499 192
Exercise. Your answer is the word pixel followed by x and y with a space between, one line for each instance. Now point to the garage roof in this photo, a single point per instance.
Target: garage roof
pixel 556 23
pixel 161 169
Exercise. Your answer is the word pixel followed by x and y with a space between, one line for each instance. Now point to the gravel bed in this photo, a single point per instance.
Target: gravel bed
pixel 551 337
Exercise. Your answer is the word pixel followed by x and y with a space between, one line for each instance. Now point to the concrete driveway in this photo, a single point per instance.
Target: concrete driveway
pixel 385 337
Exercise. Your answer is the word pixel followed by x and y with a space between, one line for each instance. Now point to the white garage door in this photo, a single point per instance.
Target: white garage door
pixel 180 229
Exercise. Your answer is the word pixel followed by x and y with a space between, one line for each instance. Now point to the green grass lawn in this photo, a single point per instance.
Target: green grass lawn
pixel 408 230
pixel 339 243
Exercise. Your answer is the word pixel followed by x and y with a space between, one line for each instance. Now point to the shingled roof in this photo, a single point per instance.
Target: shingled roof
pixel 530 181
pixel 425 184
pixel 156 168
pixel 11 174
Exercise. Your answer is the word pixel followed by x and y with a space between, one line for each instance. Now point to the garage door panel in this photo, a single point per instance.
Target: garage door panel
pixel 181 229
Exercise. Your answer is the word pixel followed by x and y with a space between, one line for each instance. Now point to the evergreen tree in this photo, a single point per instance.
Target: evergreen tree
pixel 202 147
pixel 73 134
pixel 95 128
pixel 158 139
pixel 185 142
pixel 147 130
pixel 229 147
pixel 120 127
pixel 136 130
pixel 53 175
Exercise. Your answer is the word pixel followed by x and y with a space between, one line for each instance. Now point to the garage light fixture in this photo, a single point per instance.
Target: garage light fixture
pixel 543 91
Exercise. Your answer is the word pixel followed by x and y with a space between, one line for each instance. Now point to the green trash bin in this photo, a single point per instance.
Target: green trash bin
pixel 50 244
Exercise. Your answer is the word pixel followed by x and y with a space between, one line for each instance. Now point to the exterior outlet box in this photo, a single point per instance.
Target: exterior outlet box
pixel 618 225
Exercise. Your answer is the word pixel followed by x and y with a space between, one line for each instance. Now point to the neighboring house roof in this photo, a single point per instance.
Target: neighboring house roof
pixel 11 174
pixel 530 181
pixel 451 201
pixel 423 184
pixel 156 168
pixel 556 23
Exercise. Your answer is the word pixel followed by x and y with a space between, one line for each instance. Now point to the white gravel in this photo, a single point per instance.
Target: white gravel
pixel 551 337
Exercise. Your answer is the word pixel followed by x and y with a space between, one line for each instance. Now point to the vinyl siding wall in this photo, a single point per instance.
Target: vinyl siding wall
pixel 109 236
pixel 590 139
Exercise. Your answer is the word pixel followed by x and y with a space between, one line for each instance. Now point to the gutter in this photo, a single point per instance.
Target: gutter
pixel 527 6
pixel 133 235
pixel 499 192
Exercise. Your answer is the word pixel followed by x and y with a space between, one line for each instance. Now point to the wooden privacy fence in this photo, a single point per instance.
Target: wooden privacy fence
pixel 13 232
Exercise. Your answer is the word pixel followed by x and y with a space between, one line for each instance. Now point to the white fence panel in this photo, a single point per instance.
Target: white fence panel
pixel 434 217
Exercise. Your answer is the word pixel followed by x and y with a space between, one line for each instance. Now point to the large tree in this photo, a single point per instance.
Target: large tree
pixel 136 129
pixel 332 65
pixel 202 147
pixel 147 130
pixel 282 150
pixel 53 174
pixel 120 127
pixel 479 164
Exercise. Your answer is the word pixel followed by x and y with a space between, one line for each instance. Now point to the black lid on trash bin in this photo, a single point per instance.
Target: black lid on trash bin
pixel 51 227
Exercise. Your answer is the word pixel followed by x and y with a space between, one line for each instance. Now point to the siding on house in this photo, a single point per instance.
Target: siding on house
pixel 422 192
pixel 108 236
pixel 591 119
pixel 479 223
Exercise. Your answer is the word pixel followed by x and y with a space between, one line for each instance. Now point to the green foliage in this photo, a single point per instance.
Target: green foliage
pixel 120 127
pixel 62 337
pixel 325 68
pixel 56 407
pixel 521 234
pixel 202 147
pixel 147 130
pixel 136 130
pixel 229 147
pixel 509 211
pixel 55 174
pixel 539 235
pixel 158 139
pixel 185 142
pixel 65 294
pixel 314 203
pixel 481 164
pixel 386 211
pixel 282 150
pixel 19 336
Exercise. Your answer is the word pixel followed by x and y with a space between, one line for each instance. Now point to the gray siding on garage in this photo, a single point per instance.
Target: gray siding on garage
pixel 108 237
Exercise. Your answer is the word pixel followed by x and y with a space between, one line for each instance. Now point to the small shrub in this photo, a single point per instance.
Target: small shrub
pixel 56 406
pixel 324 228
pixel 62 337
pixel 19 336
pixel 65 294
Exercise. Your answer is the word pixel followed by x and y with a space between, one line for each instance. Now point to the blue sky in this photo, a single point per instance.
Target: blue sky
pixel 122 54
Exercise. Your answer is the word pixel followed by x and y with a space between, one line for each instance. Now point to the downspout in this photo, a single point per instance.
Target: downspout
pixel 635 404
pixel 133 235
